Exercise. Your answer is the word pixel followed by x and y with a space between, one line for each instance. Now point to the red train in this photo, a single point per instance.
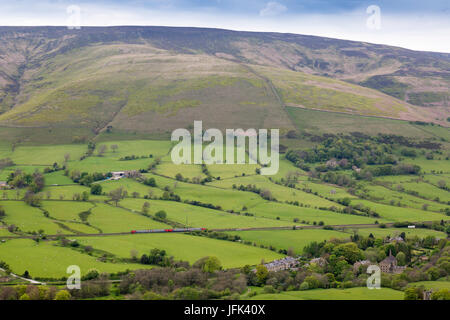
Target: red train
pixel 168 230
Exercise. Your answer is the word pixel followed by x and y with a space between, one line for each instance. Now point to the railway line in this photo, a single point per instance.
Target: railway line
pixel 184 230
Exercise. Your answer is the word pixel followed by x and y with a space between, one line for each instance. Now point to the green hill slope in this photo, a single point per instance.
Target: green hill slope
pixel 156 79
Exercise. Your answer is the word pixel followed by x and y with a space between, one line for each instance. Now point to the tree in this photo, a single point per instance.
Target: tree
pixel 145 207
pixel 32 199
pixel 96 189
pixel 304 285
pixel 63 295
pixel 102 150
pixel 85 196
pixel 117 195
pixel 442 294
pixel 134 254
pixel 66 157
pixel 161 215
pixel 349 251
pixel 150 182
pixel 114 147
pixel 212 264
pixel 135 194
pixel 442 184
pixel 411 294
pixel 24 297
pixel 401 258
pixel 261 274
pixel 91 274
pixel 312 281
pixel 266 194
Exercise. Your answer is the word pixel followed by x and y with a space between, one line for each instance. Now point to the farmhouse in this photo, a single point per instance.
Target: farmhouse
pixel 389 265
pixel 282 264
pixel 117 175
pixel 3 185
pixel 398 239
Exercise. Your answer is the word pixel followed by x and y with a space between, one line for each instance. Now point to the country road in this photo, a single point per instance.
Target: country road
pixel 24 279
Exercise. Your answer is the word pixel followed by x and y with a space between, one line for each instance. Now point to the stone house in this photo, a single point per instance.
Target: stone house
pixel 389 265
pixel 282 264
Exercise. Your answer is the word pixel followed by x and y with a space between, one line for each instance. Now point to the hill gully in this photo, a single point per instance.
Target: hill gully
pixel 235 145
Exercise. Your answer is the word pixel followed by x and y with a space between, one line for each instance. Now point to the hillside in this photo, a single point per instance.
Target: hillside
pixel 156 79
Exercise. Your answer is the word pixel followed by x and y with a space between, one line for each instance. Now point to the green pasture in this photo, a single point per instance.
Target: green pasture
pixel 289 239
pixel 392 197
pixel 273 210
pixel 29 219
pixel 66 210
pixel 113 219
pixel 394 214
pixel 130 186
pixel 183 247
pixel 394 232
pixel 170 169
pixel 44 259
pixel 57 178
pixel 227 199
pixel 279 192
pixel 44 155
pixel 435 285
pixel 361 293
pixel 195 216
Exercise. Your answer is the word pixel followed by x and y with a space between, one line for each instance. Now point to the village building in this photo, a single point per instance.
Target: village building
pixel 398 239
pixel 389 265
pixel 287 263
pixel 361 263
pixel 321 262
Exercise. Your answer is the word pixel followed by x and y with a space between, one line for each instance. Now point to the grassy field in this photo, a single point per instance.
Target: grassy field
pixel 29 219
pixel 286 212
pixel 57 178
pixel 436 285
pixel 130 186
pixel 44 259
pixel 392 213
pixel 334 294
pixel 227 199
pixel 184 247
pixel 245 209
pixel 195 216
pixel 113 219
pixel 393 232
pixel 289 239
pixel 330 122
pixel 388 196
pixel 280 193
pixel 43 155
pixel 66 210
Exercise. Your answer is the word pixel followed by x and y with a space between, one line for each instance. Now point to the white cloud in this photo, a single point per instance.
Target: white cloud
pixel 272 9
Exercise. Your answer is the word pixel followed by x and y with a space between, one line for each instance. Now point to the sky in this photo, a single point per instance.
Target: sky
pixel 413 24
